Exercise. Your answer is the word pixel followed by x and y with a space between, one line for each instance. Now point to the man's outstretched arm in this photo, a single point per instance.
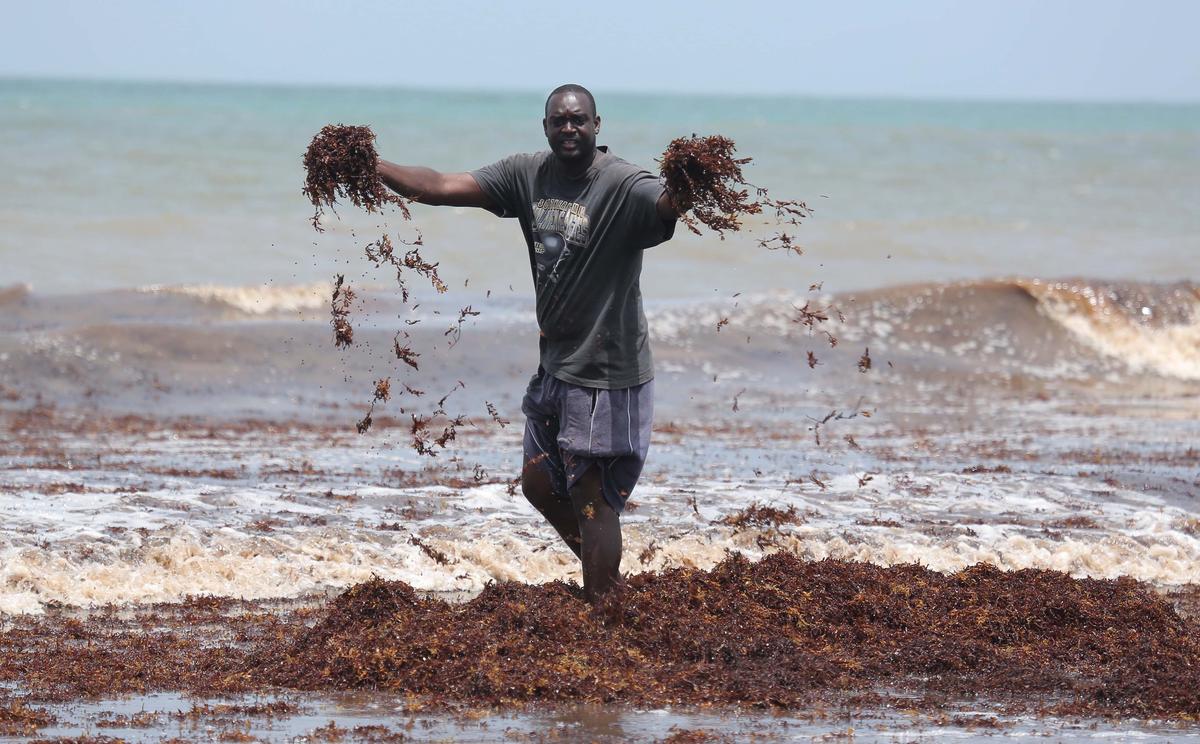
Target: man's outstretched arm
pixel 428 186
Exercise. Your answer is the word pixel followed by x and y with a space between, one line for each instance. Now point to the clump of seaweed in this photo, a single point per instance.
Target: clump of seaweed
pixel 341 163
pixel 18 719
pixel 771 633
pixel 704 178
pixel 760 516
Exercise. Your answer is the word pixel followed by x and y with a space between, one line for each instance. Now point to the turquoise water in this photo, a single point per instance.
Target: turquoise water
pixel 114 185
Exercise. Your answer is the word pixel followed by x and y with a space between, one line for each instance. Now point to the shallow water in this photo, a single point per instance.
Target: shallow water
pixel 166 715
pixel 107 509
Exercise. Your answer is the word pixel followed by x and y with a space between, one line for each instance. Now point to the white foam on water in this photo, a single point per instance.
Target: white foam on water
pixel 102 547
pixel 688 323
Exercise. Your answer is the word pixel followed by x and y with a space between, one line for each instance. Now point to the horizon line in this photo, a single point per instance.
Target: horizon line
pixel 499 91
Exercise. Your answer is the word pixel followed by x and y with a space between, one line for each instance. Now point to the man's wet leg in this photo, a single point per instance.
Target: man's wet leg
pixel 538 487
pixel 600 528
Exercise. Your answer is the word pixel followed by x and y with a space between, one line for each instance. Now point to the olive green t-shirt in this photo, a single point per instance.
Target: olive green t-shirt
pixel 585 238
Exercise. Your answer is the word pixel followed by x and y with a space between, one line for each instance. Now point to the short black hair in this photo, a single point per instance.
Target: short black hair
pixel 572 88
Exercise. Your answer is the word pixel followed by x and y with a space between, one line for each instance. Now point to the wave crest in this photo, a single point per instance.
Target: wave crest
pixel 1149 327
pixel 262 299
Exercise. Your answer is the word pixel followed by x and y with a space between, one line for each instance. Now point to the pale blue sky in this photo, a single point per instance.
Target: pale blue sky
pixel 1014 49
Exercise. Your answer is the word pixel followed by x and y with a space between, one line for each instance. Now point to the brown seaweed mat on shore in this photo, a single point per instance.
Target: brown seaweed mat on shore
pixel 781 632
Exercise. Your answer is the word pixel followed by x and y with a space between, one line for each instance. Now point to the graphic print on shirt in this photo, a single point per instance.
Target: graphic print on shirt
pixel 559 228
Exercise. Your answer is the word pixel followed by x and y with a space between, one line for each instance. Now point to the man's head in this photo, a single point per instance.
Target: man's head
pixel 571 123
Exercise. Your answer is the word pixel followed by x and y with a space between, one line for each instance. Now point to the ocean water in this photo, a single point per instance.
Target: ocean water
pixel 122 185
pixel 1024 280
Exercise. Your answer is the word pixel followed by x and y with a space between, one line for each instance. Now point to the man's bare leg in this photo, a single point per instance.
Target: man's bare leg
pixel 600 527
pixel 538 488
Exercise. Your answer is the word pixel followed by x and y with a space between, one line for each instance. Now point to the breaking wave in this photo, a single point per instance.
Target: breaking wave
pixel 1149 327
pixel 262 299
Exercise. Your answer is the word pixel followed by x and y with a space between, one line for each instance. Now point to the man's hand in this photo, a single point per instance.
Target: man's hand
pixel 667 210
pixel 428 186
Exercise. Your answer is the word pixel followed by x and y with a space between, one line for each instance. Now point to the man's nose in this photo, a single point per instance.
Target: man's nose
pixel 569 127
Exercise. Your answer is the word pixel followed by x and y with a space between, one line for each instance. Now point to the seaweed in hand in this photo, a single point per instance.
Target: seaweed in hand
pixel 704 178
pixel 341 163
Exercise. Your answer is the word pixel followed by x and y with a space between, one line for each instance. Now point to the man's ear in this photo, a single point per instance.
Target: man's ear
pixel 543 125
pixel 597 127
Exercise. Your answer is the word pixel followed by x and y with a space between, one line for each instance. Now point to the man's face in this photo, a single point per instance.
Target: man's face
pixel 571 125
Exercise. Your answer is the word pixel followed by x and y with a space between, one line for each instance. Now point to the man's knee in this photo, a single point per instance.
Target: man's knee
pixel 538 489
pixel 587 496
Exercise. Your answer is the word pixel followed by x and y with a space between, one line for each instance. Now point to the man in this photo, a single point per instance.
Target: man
pixel 586 216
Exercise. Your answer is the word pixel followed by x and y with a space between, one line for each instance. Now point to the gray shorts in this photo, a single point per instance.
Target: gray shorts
pixel 569 428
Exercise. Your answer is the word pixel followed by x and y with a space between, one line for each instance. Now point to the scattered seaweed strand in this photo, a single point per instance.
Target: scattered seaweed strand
pixel 339 305
pixel 383 391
